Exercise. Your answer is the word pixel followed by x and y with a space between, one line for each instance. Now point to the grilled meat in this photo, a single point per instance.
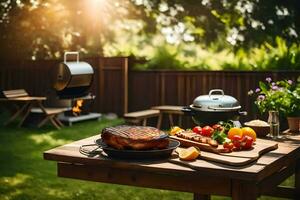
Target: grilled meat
pixel 197 138
pixel 135 137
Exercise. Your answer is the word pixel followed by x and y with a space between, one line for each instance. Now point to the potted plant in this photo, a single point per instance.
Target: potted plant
pixel 281 96
pixel 293 114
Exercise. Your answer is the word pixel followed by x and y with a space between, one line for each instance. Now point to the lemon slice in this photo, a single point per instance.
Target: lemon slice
pixel 175 129
pixel 189 154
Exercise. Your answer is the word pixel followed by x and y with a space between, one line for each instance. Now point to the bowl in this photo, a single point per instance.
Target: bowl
pixel 260 130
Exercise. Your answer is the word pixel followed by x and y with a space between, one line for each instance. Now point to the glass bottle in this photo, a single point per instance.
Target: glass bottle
pixel 273 121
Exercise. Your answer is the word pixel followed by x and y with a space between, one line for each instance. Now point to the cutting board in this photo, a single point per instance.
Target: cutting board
pixel 235 158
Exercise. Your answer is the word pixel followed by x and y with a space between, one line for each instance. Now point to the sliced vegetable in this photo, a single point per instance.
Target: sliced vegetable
pixel 237 140
pixel 197 129
pixel 207 131
pixel 247 142
pixel 218 127
pixel 228 145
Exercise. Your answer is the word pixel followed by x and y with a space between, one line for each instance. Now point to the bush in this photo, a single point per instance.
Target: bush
pixel 280 56
pixel 163 59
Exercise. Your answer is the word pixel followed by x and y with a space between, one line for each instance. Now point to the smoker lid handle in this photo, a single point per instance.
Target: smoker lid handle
pixel 71 53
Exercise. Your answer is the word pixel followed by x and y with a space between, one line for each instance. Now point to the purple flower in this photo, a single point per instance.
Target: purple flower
pixel 268 80
pixel 275 87
pixel 260 97
pixel 290 82
pixel 250 92
pixel 257 90
pixel 273 83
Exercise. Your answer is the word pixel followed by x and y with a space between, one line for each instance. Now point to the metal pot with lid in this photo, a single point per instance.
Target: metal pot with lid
pixel 72 79
pixel 214 107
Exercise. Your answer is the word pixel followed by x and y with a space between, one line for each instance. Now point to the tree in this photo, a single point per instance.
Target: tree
pixel 45 28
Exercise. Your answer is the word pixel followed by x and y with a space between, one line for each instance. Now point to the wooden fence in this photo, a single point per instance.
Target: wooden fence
pixel 119 89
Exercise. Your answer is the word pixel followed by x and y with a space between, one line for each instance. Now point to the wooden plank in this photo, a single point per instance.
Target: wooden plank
pixel 297 179
pixel 15 93
pixel 169 109
pixel 268 186
pixel 113 84
pixel 110 174
pixel 282 192
pixel 243 190
pixel 142 114
pixel 125 75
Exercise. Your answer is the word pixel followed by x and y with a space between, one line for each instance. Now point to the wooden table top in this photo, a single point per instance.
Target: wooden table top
pixel 29 98
pixel 143 113
pixel 287 153
pixel 168 108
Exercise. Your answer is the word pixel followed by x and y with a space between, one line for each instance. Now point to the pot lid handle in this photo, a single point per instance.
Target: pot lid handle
pixel 216 91
pixel 71 53
pixel 228 109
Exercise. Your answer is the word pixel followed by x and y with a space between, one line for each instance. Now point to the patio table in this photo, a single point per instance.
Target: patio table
pixel 23 111
pixel 30 104
pixel 261 177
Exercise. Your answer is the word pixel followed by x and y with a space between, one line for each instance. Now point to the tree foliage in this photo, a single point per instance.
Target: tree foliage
pixel 37 29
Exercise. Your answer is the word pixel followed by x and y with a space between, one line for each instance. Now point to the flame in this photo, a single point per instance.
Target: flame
pixel 76 109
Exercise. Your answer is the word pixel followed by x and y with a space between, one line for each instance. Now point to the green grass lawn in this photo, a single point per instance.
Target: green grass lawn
pixel 24 175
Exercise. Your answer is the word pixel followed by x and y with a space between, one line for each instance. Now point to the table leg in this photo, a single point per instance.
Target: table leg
pixel 297 179
pixel 26 114
pixel 180 120
pixel 43 121
pixel 171 120
pixel 144 122
pixel 201 196
pixel 159 120
pixel 19 112
pixel 243 190
pixel 54 122
pixel 58 121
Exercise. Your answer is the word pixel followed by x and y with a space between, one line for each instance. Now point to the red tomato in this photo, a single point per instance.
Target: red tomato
pixel 228 145
pixel 247 142
pixel 207 131
pixel 197 129
pixel 236 140
pixel 218 127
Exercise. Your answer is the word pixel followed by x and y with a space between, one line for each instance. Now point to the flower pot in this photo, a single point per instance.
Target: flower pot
pixel 294 124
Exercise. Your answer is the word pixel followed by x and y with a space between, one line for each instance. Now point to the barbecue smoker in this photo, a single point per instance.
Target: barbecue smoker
pixel 73 79
pixel 72 82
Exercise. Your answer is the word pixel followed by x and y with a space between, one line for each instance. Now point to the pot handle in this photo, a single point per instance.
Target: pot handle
pixel 71 53
pixel 224 109
pixel 187 110
pixel 243 113
pixel 216 91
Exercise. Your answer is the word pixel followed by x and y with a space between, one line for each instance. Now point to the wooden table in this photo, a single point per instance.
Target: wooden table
pixel 248 182
pixel 23 111
pixel 143 115
pixel 30 102
pixel 170 111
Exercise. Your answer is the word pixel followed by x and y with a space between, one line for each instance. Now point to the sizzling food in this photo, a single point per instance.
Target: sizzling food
pixel 135 137
pixel 189 135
